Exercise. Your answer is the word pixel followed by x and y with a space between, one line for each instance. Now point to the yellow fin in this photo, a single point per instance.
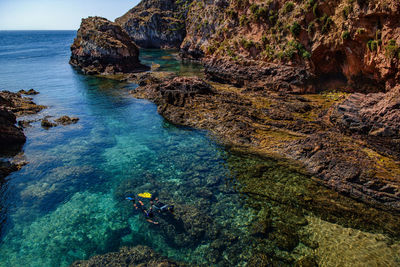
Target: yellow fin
pixel 145 195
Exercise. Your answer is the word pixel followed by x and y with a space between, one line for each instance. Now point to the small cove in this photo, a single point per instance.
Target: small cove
pixel 68 202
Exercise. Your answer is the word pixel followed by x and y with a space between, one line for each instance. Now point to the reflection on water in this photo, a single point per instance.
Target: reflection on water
pixel 230 209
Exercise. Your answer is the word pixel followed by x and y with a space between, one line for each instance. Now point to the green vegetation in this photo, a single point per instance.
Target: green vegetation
pixel 392 50
pixel 289 6
pixel 292 48
pixel 246 44
pixel 311 28
pixel 360 31
pixel 346 11
pixel 211 49
pixel 372 45
pixel 295 29
pixel 269 52
pixel 264 39
pixel 232 13
pixel 243 21
pixel 310 3
pixel 315 10
pixel 326 22
pixel 253 8
pixel 261 13
pixel 345 35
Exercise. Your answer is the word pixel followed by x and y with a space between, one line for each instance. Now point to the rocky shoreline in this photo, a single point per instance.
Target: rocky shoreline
pixel 309 129
pixel 12 138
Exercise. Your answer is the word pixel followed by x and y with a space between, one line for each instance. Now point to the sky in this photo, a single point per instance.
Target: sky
pixel 57 14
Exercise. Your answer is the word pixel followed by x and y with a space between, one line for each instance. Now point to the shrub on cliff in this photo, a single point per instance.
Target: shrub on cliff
pixel 295 29
pixel 392 50
pixel 289 6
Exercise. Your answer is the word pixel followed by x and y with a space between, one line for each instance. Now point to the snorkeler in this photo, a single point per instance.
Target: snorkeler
pixel 161 207
pixel 148 213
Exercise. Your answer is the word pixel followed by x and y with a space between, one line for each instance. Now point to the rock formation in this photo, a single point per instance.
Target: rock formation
pixel 103 47
pixel 12 138
pixel 350 43
pixel 156 23
pixel 136 256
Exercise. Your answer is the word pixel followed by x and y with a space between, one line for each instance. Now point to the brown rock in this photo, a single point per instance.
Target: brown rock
pixel 65 120
pixel 103 47
pixel 136 256
pixel 156 23
pixel 47 124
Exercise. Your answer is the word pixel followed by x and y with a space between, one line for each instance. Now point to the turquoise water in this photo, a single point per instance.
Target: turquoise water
pixel 68 202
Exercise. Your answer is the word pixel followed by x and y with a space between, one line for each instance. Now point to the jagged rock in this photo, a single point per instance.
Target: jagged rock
pixel 65 120
pixel 12 105
pixel 271 76
pixel 19 105
pixel 29 92
pixel 376 114
pixel 156 23
pixel 103 47
pixel 12 138
pixel 47 124
pixel 136 256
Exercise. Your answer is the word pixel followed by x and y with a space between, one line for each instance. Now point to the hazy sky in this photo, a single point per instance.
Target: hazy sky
pixel 57 14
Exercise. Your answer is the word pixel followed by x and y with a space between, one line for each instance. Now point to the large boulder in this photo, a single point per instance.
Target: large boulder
pixel 103 47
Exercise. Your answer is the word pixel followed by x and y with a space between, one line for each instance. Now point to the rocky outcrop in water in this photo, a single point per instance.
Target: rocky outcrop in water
pixel 156 23
pixel 103 47
pixel 136 256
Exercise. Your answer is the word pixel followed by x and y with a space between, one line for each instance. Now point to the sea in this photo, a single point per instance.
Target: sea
pixel 231 209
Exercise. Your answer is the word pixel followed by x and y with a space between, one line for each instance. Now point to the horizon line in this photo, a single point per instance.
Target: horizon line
pixel 38 30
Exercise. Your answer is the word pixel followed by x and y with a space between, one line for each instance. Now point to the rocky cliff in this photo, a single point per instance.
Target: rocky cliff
pixel 12 137
pixel 350 43
pixel 103 47
pixel 156 23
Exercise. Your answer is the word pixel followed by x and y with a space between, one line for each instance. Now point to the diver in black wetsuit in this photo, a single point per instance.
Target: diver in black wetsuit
pixel 160 207
pixel 148 213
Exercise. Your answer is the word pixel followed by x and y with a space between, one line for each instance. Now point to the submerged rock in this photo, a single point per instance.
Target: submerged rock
pixel 65 120
pixel 47 124
pixel 136 256
pixel 103 47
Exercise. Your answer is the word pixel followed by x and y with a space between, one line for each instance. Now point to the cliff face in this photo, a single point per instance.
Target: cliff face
pixel 346 42
pixel 103 47
pixel 156 23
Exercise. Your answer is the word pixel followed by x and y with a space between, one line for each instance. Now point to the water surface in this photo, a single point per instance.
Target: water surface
pixel 68 202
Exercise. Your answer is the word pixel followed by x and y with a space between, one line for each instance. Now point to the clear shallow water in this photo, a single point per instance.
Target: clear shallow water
pixel 67 203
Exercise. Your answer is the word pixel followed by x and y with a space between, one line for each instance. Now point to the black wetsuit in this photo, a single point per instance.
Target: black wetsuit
pixel 161 207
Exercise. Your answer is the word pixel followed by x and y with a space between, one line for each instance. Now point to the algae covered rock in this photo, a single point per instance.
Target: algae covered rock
pixel 103 47
pixel 136 256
